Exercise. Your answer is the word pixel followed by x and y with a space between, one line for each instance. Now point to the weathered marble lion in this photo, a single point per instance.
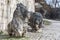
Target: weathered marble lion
pixel 16 26
pixel 35 21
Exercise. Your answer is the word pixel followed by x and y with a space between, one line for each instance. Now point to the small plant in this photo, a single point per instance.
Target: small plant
pixel 1 32
pixel 46 22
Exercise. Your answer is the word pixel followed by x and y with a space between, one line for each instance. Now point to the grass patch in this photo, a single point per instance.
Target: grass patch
pixel 1 32
pixel 46 22
pixel 13 38
pixel 6 37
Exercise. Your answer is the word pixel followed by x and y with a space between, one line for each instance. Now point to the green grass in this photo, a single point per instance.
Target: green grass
pixel 46 22
pixel 6 37
pixel 1 32
pixel 13 38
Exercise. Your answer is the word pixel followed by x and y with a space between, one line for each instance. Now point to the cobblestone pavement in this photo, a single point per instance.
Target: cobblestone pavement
pixel 51 32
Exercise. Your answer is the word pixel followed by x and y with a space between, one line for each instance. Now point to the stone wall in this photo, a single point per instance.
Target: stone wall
pixel 7 8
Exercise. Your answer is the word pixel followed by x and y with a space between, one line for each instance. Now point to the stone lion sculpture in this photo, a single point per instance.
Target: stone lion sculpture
pixel 16 26
pixel 35 21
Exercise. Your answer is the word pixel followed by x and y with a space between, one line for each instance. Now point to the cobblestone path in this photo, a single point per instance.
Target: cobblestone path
pixel 51 32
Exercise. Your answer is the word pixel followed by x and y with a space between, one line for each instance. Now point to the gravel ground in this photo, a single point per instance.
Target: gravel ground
pixel 51 32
